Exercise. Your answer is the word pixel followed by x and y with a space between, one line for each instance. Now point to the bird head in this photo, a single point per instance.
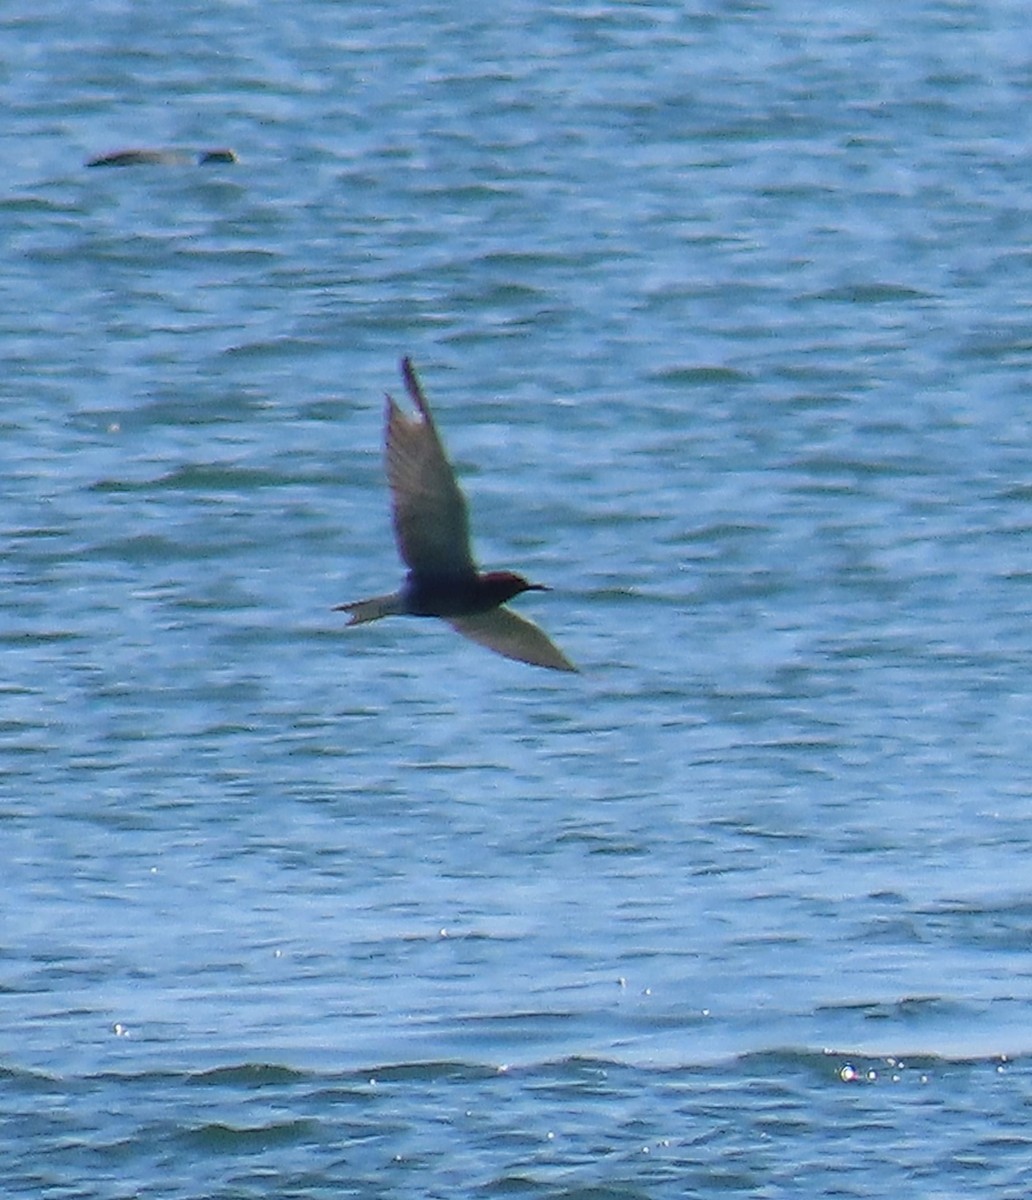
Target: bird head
pixel 506 584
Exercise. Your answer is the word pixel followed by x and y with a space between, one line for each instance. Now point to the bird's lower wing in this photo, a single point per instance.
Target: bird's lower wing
pixel 514 636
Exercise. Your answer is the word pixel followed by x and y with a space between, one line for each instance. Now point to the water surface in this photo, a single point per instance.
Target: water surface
pixel 724 312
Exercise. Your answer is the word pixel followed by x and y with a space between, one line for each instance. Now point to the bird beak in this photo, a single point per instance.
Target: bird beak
pixel 538 587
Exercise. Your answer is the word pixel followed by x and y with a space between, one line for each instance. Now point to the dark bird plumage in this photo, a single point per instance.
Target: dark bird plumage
pixel 431 527
pixel 163 158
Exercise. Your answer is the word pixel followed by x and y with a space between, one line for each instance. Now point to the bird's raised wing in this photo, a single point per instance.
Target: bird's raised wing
pixel 431 521
pixel 507 633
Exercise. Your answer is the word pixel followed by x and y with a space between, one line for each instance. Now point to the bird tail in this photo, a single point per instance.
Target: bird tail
pixel 372 609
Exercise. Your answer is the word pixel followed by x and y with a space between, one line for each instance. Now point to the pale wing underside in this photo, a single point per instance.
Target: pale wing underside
pixel 513 636
pixel 431 522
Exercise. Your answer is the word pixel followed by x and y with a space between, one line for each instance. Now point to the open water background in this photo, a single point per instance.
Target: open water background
pixel 725 311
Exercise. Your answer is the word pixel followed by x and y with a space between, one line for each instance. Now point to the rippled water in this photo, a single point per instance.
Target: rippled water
pixel 725 314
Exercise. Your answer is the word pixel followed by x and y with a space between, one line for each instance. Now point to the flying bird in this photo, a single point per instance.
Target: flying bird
pixel 431 528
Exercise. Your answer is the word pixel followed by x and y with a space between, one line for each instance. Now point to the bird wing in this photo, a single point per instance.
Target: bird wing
pixel 431 521
pixel 513 636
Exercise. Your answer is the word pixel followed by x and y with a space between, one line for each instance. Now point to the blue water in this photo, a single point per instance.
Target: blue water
pixel 725 312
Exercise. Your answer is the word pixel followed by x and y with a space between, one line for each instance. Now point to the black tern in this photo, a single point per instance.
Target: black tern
pixel 431 528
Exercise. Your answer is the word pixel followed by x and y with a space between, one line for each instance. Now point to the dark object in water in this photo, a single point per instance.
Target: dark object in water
pixel 431 527
pixel 167 158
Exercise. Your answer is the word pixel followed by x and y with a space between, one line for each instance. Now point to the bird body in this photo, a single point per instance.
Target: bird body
pixel 164 158
pixel 431 528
